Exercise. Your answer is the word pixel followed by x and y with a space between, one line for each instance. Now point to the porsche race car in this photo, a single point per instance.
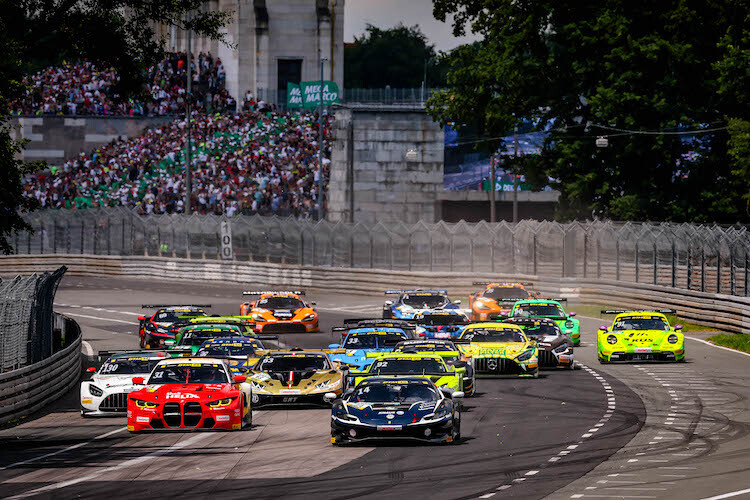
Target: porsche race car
pixel 499 349
pixel 496 299
pixel 555 348
pixel 280 312
pixel 163 325
pixel 450 354
pixel 640 336
pixel 549 308
pixel 411 302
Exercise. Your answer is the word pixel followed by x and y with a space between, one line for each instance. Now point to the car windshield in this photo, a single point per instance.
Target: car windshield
pixel 189 373
pixel 542 328
pixel 221 350
pixel 493 335
pixel 129 365
pixel 292 303
pixel 442 319
pixel 544 310
pixel 424 347
pixel 293 363
pixel 642 323
pixel 506 292
pixel 407 392
pixel 372 340
pixel 424 300
pixel 198 336
pixel 172 315
pixel 406 365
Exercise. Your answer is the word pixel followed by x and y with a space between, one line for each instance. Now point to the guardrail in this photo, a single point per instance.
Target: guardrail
pixel 28 389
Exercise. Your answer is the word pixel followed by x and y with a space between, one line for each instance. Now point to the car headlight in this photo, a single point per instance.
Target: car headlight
pixel 144 404
pixel 526 355
pixel 440 413
pixel 672 339
pixel 257 317
pixel 328 384
pixel 561 348
pixel 345 416
pixel 482 306
pixel 220 402
pixel 569 323
pixel 95 391
pixel 611 339
pixel 309 317
pixel 257 387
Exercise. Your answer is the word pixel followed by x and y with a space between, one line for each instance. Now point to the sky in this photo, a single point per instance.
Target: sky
pixel 388 13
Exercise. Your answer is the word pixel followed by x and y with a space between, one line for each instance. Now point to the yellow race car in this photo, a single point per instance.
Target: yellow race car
pixel 640 336
pixel 499 349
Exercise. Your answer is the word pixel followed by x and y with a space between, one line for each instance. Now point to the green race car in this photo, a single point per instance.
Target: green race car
pixel 191 337
pixel 640 336
pixel 549 308
pixel 427 365
pixel 247 327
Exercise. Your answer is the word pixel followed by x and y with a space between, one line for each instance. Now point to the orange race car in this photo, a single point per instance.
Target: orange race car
pixel 280 311
pixel 496 300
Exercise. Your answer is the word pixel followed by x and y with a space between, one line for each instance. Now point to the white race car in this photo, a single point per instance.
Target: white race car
pixel 106 394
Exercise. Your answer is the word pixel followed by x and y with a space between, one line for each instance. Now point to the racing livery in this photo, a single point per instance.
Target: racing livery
pixel 555 348
pixel 549 308
pixel 106 394
pixel 640 336
pixel 280 312
pixel 247 327
pixel 191 337
pixel 359 342
pixel 499 349
pixel 163 325
pixel 238 352
pixel 427 365
pixel 496 299
pixel 440 324
pixel 411 302
pixel 385 408
pixel 190 394
pixel 450 354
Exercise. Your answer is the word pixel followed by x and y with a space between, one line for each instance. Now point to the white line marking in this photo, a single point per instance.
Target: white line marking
pixel 102 319
pixel 488 495
pixel 728 495
pixel 504 487
pixel 718 347
pixel 532 473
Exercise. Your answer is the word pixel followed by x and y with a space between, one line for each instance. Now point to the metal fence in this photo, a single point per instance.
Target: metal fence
pixel 27 332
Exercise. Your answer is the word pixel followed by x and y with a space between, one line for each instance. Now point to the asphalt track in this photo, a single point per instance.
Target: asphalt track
pixel 625 431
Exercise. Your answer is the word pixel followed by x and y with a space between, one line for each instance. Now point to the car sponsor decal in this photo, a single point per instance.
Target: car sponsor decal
pixel 222 418
pixel 390 427
pixel 290 391
pixel 640 350
pixel 142 420
pixel 87 401
pixel 261 377
pixel 181 395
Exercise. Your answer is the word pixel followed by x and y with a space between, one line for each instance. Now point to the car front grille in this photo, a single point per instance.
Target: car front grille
pixel 192 414
pixel 284 328
pixel 496 366
pixel 547 358
pixel 185 414
pixel 172 414
pixel 115 402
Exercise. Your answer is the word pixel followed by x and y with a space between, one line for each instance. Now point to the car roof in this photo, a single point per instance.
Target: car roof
pixel 425 341
pixel 192 360
pixel 537 301
pixel 409 355
pixel 505 285
pixel 408 379
pixel 139 354
pixel 289 352
pixel 375 330
pixel 524 320
pixel 640 314
pixel 211 327
pixel 492 325
pixel 231 340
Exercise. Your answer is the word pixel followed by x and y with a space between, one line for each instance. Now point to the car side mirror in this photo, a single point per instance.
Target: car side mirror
pixel 602 328
pixel 457 302
pixel 238 379
pixel 678 327
pixel 313 303
pixel 329 397
pixel 141 318
pixel 571 314
pixel 91 369
pixel 138 380
pixel 334 346
pixel 389 302
pixel 457 395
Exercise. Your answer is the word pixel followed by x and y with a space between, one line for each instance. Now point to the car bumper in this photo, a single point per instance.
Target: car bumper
pixel 664 356
pixel 549 359
pixel 181 417
pixel 287 327
pixel 282 400
pixel 440 432
pixel 503 367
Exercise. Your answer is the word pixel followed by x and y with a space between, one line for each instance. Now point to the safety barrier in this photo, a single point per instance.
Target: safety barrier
pixel 28 389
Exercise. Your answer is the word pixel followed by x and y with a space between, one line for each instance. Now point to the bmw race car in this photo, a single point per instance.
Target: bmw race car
pixel 440 324
pixel 549 308
pixel 640 336
pixel 496 299
pixel 295 377
pixel 450 354
pixel 191 337
pixel 106 394
pixel 190 394
pixel 411 302
pixel 161 326
pixel 400 364
pixel 239 353
pixel 385 408
pixel 499 349
pixel 555 348
pixel 359 342
pixel 280 312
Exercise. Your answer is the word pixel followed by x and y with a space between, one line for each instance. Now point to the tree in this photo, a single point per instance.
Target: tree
pixel 114 33
pixel 397 57
pixel 643 74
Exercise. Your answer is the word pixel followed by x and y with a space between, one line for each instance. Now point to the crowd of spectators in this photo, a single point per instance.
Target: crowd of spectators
pixel 255 161
pixel 84 88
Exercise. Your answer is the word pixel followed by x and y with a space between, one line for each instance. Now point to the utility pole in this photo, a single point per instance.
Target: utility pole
pixel 493 217
pixel 320 144
pixel 188 149
pixel 515 175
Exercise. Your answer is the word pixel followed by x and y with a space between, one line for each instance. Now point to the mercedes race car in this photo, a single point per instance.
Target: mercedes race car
pixel 280 312
pixel 163 325
pixel 496 299
pixel 106 394
pixel 555 348
pixel 640 336
pixel 400 364
pixel 239 353
pixel 411 302
pixel 549 308
pixel 190 394
pixel 386 408
pixel 450 354
pixel 359 342
pixel 440 324
pixel 191 337
pixel 295 377
pixel 499 349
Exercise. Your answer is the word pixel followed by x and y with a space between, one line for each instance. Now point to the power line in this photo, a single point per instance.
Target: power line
pixel 657 132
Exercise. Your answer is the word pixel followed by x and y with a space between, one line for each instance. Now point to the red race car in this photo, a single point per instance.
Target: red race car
pixel 164 324
pixel 190 394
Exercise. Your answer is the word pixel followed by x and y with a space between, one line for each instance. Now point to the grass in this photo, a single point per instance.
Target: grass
pixel 594 312
pixel 739 342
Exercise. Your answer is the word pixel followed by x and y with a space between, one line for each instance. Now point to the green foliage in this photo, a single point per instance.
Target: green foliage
pixel 740 342
pixel 591 68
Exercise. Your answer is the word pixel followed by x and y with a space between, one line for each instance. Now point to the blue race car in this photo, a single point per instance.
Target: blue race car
pixel 238 351
pixel 412 302
pixel 361 341
pixel 446 324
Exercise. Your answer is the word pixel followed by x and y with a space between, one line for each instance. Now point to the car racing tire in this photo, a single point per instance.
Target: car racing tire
pixel 456 431
pixel 247 420
pixel 143 343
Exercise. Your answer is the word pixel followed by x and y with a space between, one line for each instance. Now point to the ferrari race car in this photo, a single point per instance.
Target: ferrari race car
pixel 191 337
pixel 400 364
pixel 359 342
pixel 161 326
pixel 280 312
pixel 106 394
pixel 549 308
pixel 440 324
pixel 496 299
pixel 295 377
pixel 555 348
pixel 499 349
pixel 190 394
pixel 450 354
pixel 385 408
pixel 411 302
pixel 640 336
pixel 238 353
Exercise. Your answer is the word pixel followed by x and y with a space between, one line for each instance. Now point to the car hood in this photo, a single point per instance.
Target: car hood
pixel 494 349
pixel 390 413
pixel 643 338
pixel 302 382
pixel 547 342
pixel 106 381
pixel 183 392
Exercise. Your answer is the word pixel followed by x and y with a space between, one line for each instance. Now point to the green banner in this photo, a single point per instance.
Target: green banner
pixel 307 94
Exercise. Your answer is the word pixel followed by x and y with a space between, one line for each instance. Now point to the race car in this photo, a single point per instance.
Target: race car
pixel 280 312
pixel 239 353
pixel 549 308
pixel 440 324
pixel 161 326
pixel 362 341
pixel 106 394
pixel 450 354
pixel 190 394
pixel 499 349
pixel 408 326
pixel 640 336
pixel 411 302
pixel 427 365
pixel 555 348
pixel 246 326
pixel 295 377
pixel 496 299
pixel 191 337
pixel 386 408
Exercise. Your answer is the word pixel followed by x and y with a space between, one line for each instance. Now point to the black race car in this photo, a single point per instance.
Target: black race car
pixel 555 347
pixel 164 324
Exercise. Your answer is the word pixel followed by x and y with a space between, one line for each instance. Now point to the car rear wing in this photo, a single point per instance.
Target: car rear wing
pixel 350 323
pixel 104 355
pixel 553 299
pixel 503 283
pixel 180 352
pixel 527 320
pixel 418 290
pixel 265 337
pixel 266 292
pixel 622 311
pixel 160 306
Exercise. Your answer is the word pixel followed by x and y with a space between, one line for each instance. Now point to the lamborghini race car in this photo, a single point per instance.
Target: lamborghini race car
pixel 496 299
pixel 499 349
pixel 411 302
pixel 106 394
pixel 549 308
pixel 161 326
pixel 440 324
pixel 359 342
pixel 191 337
pixel 640 336
pixel 295 377
pixel 239 353
pixel 385 408
pixel 450 354
pixel 190 394
pixel 402 364
pixel 280 312
pixel 555 348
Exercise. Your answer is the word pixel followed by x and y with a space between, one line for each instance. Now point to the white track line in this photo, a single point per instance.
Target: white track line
pixel 728 495
pixel 102 319
pixel 718 347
